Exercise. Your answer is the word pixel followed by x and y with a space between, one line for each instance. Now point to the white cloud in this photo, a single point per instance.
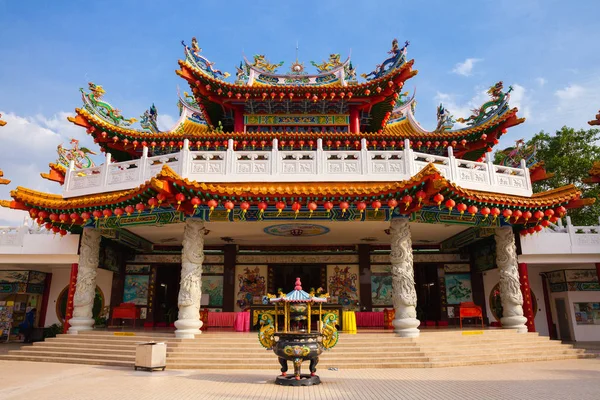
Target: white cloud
pixel 519 97
pixel 466 68
pixel 541 81
pixel 166 122
pixel 32 143
pixel 570 92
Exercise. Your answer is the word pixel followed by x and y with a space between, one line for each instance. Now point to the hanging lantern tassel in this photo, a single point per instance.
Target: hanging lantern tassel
pixel 407 200
pixel 461 207
pixel 262 206
pixel 495 212
pixel 195 203
pixel 421 195
pixel 344 206
pixel 376 205
pixel 472 210
pixel 296 207
pixel 328 206
pixel 244 206
pixel 280 205
pixel 438 198
pixel 485 211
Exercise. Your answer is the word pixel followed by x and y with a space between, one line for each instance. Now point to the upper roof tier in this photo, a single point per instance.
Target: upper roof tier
pixel 296 108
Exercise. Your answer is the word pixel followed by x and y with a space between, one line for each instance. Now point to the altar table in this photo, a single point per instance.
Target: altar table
pixel 221 319
pixel 349 321
pixel 369 319
pixel 242 321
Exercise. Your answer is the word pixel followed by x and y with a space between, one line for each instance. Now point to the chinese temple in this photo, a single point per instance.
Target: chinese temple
pixel 268 175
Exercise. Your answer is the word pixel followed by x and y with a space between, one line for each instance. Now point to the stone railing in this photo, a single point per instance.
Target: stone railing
pixel 563 239
pixel 311 165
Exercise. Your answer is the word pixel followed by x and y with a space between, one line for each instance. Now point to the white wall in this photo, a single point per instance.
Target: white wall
pixel 60 279
pixel 583 333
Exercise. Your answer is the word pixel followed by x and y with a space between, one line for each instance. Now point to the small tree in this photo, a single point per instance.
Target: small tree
pixel 569 154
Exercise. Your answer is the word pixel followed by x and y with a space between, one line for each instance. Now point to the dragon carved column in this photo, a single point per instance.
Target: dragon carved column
pixel 85 289
pixel 403 280
pixel 188 323
pixel 510 287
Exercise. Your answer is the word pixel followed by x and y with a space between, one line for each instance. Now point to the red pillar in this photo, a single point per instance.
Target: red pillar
pixel 45 298
pixel 354 120
pixel 72 283
pixel 526 291
pixel 238 120
pixel 549 320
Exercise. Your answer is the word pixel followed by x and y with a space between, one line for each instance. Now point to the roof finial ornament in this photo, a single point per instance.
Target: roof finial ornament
pixel 297 68
pixel 298 284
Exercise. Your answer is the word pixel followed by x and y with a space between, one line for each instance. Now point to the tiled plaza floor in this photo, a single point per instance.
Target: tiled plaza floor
pixel 571 379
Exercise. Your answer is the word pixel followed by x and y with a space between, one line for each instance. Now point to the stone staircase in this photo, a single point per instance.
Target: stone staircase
pixel 230 350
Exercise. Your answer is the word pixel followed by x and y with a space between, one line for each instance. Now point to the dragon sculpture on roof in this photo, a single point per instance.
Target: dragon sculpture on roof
pixel 398 58
pixel 261 63
pixel 512 156
pixel 499 101
pixel 149 120
pixel 95 104
pixel 445 120
pixel 79 155
pixel 201 62
pixel 327 65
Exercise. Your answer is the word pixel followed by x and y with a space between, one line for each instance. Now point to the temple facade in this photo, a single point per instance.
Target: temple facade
pixel 271 175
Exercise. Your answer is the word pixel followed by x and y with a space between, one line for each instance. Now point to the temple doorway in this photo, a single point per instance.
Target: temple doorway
pixel 311 275
pixel 428 292
pixel 167 290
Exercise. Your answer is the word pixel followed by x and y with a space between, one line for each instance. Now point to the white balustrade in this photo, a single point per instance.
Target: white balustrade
pixel 569 239
pixel 316 165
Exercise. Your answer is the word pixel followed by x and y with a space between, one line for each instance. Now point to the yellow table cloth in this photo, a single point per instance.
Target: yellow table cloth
pixel 349 322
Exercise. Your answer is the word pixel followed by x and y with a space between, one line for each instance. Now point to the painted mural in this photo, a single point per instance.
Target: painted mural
pixel 458 288
pixel 13 276
pixel 213 287
pixel 381 290
pixel 342 284
pixel 251 285
pixel 137 269
pixel 136 289
pixel 213 269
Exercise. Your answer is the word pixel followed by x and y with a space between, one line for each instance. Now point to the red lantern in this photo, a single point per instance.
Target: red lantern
pixel 485 211
pixel 152 202
pixel 495 213
pixel 523 232
pixel 179 197
pixel 53 217
pixel 516 215
pixel 85 216
pixel 392 203
pixel 312 206
pixel 74 217
pixel 361 206
pixel 244 206
pixel 526 216
pixel 538 228
pixel 296 208
pixel 229 206
pixel 549 213
pixel 545 223
pixel 118 212
pixel 530 230
pixel 97 214
pixel 407 200
pixel 461 207
pixel 376 204
pixel 129 209
pixel 438 198
pixel 538 215
pixel 160 197
pixel 344 206
pixel 421 195
pixel 553 219
pixel 195 201
pixel 262 206
pixel 48 225
pixel 63 218
pixel 280 205
pixel 450 205
pixel 33 213
pixel 212 203
pixel 561 211
pixel 140 208
pixel 328 206
pixel 507 214
pixel 472 210
pixel 55 229
pixel 107 213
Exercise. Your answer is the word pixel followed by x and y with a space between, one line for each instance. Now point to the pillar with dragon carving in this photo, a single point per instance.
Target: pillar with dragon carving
pixel 403 280
pixel 510 287
pixel 188 323
pixel 85 288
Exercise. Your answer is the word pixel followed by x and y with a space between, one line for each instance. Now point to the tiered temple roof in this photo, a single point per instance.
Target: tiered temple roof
pixel 361 153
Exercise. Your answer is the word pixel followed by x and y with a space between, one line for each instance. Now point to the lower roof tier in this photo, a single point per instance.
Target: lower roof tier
pixel 178 198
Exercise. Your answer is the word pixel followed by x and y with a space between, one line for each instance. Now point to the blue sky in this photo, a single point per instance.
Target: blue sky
pixel 548 50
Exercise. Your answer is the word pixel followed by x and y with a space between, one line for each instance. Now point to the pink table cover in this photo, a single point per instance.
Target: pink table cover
pixel 221 319
pixel 242 322
pixel 369 319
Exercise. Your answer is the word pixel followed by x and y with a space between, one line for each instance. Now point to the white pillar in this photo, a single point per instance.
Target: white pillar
pixel 403 280
pixel 188 323
pixel 85 289
pixel 510 288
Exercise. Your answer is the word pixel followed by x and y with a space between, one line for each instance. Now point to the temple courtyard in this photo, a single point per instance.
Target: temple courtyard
pixel 566 379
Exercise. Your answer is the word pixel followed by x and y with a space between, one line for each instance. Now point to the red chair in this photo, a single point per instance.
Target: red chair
pixel 388 318
pixel 125 311
pixel 470 310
